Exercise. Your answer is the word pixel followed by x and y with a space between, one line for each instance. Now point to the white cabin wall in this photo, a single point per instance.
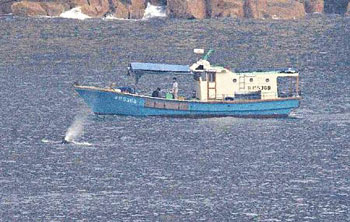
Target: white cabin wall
pixel 268 89
pixel 272 93
pixel 224 85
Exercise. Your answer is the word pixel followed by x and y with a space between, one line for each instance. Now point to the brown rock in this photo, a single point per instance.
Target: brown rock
pixel 198 9
pixel 95 8
pixel 78 2
pixel 226 8
pixel 348 10
pixel 53 8
pixel 120 10
pixel 255 9
pixel 177 8
pixel 134 9
pixel 286 9
pixel 26 8
pixel 137 9
pixel 187 9
pixel 314 6
pixel 275 9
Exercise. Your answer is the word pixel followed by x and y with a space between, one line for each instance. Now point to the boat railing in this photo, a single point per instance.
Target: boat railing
pixel 227 97
pixel 242 96
pixel 249 96
pixel 269 95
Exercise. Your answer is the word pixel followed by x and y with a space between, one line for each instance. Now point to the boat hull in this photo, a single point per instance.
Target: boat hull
pixel 109 102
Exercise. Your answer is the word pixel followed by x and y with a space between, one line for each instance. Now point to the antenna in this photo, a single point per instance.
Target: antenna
pixel 206 57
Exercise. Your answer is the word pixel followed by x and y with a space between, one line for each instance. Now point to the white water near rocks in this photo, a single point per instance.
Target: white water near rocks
pixel 151 11
pixel 154 11
pixel 74 13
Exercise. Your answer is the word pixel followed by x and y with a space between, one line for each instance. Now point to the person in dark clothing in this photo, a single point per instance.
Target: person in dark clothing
pixel 156 93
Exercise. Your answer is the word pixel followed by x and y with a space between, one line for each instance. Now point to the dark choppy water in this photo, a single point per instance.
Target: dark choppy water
pixel 163 169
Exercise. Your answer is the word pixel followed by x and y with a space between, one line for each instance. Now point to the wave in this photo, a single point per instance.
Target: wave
pixel 74 13
pixel 152 11
pixel 110 17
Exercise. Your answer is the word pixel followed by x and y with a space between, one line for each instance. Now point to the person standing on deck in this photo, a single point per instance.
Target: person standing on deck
pixel 175 89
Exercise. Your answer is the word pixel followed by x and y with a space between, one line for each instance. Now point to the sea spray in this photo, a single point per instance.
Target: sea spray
pixel 153 11
pixel 77 128
pixel 74 13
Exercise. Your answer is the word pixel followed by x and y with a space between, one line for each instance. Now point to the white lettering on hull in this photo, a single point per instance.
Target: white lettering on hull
pixel 125 99
pixel 259 87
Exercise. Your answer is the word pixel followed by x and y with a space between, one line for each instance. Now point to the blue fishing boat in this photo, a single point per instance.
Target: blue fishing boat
pixel 219 92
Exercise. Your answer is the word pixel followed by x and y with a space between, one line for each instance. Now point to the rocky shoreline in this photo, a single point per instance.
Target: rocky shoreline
pixel 188 9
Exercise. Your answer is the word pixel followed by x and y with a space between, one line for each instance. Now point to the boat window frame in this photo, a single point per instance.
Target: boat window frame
pixel 212 76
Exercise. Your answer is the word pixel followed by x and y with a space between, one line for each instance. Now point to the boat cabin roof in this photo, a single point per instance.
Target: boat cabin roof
pixel 264 70
pixel 140 68
pixel 158 68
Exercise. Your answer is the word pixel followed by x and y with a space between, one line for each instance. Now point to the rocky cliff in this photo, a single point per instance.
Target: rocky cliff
pixel 92 8
pixel 190 9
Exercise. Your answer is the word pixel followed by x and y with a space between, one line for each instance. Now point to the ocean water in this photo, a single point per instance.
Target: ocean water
pixel 171 169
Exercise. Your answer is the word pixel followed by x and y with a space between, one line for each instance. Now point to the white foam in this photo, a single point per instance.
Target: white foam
pixel 45 140
pixel 50 141
pixel 74 13
pixel 111 17
pixel 82 143
pixel 71 142
pixel 154 11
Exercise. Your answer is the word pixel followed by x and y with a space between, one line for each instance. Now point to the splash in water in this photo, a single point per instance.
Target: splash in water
pixel 74 13
pixel 154 11
pixel 77 128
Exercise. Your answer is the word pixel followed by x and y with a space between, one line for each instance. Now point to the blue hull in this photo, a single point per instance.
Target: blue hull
pixel 108 102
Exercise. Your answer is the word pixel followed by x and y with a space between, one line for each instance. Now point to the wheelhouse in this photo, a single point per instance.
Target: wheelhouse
pixel 217 83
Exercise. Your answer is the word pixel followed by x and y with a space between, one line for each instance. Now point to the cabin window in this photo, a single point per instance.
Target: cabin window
pixel 251 80
pixel 204 77
pixel 197 76
pixel 211 77
pixel 267 80
pixel 234 80
pixel 200 67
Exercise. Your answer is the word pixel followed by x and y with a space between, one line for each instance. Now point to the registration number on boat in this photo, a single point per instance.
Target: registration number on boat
pixel 125 99
pixel 259 87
